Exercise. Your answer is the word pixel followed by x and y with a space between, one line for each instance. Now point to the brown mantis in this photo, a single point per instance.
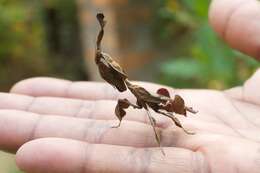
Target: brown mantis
pixel 160 103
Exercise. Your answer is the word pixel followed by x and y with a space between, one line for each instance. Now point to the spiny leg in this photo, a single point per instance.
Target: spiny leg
pixel 176 121
pixel 120 112
pixel 157 137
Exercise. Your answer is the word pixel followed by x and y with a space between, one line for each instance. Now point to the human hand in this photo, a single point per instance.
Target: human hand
pixel 80 115
pixel 227 126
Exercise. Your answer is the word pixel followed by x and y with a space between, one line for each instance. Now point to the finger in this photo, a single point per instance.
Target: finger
pixel 96 109
pixel 58 106
pixel 18 127
pixel 237 21
pixel 44 86
pixel 81 90
pixel 62 155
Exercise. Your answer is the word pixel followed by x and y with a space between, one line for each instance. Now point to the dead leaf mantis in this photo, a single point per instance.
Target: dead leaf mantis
pixel 160 103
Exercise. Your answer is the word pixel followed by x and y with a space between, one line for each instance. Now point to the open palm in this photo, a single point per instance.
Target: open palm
pixel 80 115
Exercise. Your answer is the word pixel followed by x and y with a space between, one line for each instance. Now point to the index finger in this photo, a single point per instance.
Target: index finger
pixel 237 22
pixel 44 86
pixel 64 155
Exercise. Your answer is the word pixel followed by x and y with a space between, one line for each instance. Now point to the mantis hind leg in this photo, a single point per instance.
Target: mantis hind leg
pixel 157 137
pixel 176 122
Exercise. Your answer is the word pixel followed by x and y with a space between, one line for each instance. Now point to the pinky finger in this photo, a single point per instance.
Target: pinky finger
pixel 58 155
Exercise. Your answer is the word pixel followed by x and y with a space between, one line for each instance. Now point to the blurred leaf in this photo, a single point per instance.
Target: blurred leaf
pixel 217 56
pixel 182 68
pixel 211 62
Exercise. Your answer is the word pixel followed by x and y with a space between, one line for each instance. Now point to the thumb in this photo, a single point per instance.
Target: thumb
pixel 238 23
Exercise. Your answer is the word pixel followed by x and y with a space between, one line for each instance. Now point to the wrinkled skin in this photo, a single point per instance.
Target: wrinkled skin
pixel 227 126
pixel 227 130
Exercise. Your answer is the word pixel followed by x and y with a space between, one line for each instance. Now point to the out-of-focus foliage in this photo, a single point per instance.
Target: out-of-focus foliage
pixel 39 38
pixel 21 45
pixel 63 40
pixel 205 60
pixel 7 163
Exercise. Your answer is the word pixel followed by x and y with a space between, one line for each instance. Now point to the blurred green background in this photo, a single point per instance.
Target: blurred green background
pixel 39 38
pixel 206 60
pixel 43 38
